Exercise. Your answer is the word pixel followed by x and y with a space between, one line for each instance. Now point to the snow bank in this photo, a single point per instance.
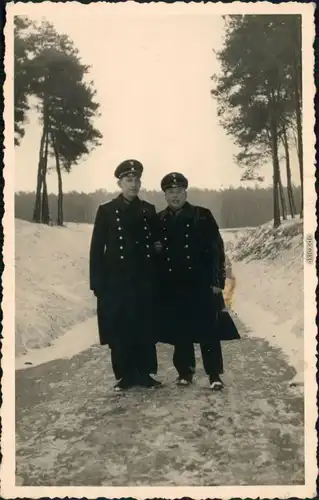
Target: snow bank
pixel 52 287
pixel 268 265
pixel 52 290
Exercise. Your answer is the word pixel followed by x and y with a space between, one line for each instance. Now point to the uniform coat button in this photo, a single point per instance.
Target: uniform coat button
pixel 121 248
pixel 122 257
pixel 119 228
pixel 186 246
pixel 121 237
pixel 117 220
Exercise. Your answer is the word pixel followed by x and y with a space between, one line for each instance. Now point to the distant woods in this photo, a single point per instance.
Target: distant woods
pixel 258 96
pixel 231 207
pixel 51 79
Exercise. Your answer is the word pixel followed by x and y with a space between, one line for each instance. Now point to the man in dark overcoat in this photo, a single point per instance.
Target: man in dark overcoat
pixel 191 275
pixel 122 278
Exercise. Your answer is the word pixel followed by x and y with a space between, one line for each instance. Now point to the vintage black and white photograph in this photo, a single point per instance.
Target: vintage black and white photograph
pixel 159 283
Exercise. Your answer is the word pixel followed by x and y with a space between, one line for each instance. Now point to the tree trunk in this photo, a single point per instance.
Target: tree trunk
pixel 288 173
pixel 297 91
pixel 45 204
pixel 277 220
pixel 37 204
pixel 275 160
pixel 60 187
pixel 45 200
pixel 282 195
pixel 300 155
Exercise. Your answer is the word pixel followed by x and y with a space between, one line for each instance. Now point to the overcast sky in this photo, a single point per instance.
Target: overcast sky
pixel 152 75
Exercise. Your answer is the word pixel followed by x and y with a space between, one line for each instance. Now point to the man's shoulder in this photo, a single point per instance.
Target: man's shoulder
pixel 111 203
pixel 162 213
pixel 108 206
pixel 202 212
pixel 148 206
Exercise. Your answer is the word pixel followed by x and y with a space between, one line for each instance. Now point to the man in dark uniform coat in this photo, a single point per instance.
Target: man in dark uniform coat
pixel 122 278
pixel 191 276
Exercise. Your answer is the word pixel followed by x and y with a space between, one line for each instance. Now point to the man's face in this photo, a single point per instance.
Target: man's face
pixel 175 197
pixel 130 186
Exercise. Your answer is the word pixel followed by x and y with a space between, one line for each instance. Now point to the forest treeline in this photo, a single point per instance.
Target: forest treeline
pixel 231 207
pixel 258 93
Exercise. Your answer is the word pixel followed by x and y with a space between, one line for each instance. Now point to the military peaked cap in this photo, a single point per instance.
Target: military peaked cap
pixel 128 167
pixel 174 179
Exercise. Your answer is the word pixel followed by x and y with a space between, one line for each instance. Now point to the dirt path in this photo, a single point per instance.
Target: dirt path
pixel 73 430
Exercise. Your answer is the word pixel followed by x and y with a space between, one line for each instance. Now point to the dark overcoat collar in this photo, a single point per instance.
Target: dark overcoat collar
pixel 186 210
pixel 124 204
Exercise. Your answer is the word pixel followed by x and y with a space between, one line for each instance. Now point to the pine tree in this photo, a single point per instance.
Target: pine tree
pixel 22 49
pixel 56 77
pixel 253 91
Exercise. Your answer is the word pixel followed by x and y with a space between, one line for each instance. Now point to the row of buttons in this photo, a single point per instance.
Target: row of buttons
pixel 189 267
pixel 121 237
pixel 185 246
pixel 187 257
pixel 122 256
pixel 165 220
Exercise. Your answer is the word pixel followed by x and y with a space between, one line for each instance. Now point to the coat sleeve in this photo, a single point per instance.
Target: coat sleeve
pixel 218 252
pixel 97 250
pixel 221 275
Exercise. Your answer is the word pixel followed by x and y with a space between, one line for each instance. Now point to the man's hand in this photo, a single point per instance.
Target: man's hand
pixel 158 246
pixel 216 290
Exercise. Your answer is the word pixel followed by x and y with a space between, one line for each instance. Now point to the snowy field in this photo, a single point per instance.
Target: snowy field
pixel 54 304
pixel 51 271
pixel 268 265
pixel 71 429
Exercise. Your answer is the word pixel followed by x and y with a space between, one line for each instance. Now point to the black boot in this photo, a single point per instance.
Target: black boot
pixel 215 383
pixel 123 384
pixel 129 380
pixel 149 382
pixel 186 379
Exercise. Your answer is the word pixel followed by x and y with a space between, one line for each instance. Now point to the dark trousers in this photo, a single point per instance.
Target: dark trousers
pixel 184 358
pixel 130 360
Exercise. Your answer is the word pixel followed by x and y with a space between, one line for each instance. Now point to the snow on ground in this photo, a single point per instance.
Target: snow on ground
pixel 53 298
pixel 268 265
pixel 72 428
pixel 52 292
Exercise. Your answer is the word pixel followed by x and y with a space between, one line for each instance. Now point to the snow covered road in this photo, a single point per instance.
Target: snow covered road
pixel 73 430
